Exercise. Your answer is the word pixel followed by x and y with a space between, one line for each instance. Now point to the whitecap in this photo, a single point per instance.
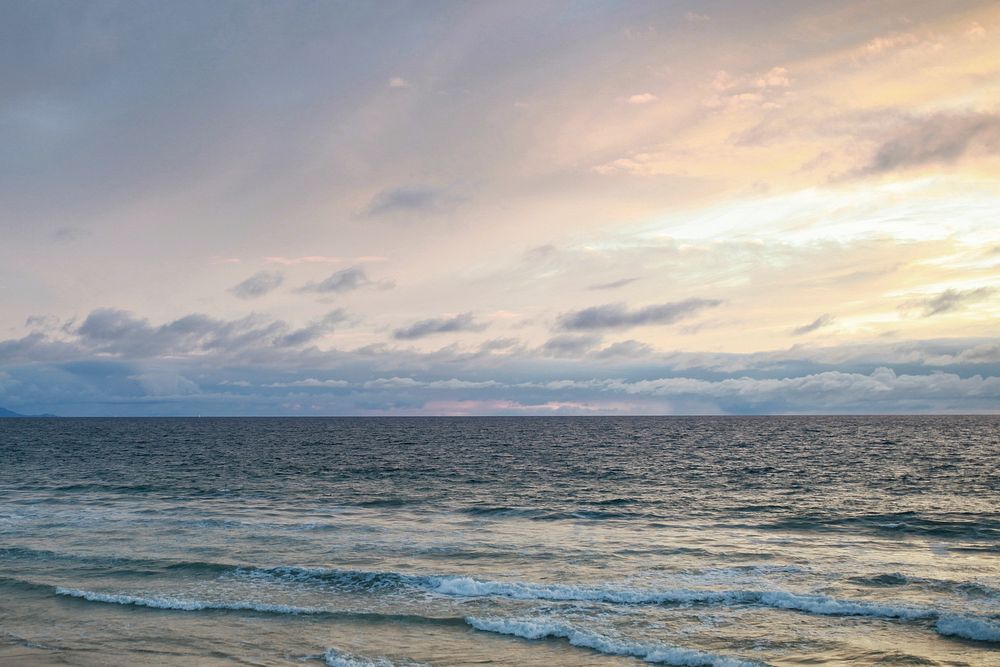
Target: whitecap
pixel 654 653
pixel 814 604
pixel 968 628
pixel 182 604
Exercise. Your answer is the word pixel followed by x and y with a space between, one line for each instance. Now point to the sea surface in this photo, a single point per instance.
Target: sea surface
pixel 500 541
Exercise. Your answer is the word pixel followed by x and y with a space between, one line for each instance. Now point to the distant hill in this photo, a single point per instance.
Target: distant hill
pixel 8 414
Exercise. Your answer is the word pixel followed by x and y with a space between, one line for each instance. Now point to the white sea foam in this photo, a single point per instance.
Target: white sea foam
pixel 823 605
pixel 814 604
pixel 181 604
pixel 338 658
pixel 655 653
pixel 469 587
pixel 968 628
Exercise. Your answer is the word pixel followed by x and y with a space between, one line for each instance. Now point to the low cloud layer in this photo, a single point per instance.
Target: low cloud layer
pixel 116 362
pixel 619 316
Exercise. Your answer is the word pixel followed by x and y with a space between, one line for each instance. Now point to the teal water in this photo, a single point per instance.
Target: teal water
pixel 508 541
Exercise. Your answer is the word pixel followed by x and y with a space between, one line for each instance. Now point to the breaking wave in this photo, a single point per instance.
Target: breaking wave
pixel 655 653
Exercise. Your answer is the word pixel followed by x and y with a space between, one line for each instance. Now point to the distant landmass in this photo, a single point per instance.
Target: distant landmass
pixel 8 414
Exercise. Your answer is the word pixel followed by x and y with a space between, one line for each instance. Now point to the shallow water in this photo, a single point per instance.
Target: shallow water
pixel 509 541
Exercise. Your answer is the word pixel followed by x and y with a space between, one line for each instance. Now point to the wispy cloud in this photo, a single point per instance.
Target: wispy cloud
pixel 345 280
pixel 949 300
pixel 312 383
pixel 258 284
pixel 818 323
pixel 626 349
pixel 405 199
pixel 313 330
pixel 937 139
pixel 308 259
pixel 614 284
pixel 570 345
pixel 438 325
pixel 70 234
pixel 619 316
pixel 642 98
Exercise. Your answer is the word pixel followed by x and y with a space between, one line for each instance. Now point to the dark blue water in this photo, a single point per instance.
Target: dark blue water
pixel 521 541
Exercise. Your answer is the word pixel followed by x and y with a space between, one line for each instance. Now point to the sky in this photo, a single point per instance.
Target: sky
pixel 499 208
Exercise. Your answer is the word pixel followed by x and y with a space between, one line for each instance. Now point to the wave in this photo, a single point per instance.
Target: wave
pixel 181 604
pixel 968 628
pixel 882 580
pixel 365 581
pixel 969 589
pixel 814 604
pixel 955 526
pixel 172 603
pixel 359 580
pixel 538 514
pixel 655 653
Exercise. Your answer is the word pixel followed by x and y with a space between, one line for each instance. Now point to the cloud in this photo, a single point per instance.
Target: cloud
pixel 42 322
pixel 399 82
pixel 776 77
pixel 624 349
pixel 618 316
pixel 412 383
pixel 345 280
pixel 694 17
pixel 885 43
pixel 120 362
pixel 403 199
pixel 642 98
pixel 499 344
pixel 70 234
pixel 308 259
pixel 119 332
pixel 313 330
pixel 164 383
pixel 819 322
pixel 614 284
pixel 313 383
pixel 949 300
pixel 766 90
pixel 430 327
pixel 986 353
pixel 937 139
pixel 975 30
pixel 258 284
pixel 569 345
pixel 829 391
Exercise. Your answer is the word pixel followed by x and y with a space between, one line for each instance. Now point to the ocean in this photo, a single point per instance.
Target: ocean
pixel 500 541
